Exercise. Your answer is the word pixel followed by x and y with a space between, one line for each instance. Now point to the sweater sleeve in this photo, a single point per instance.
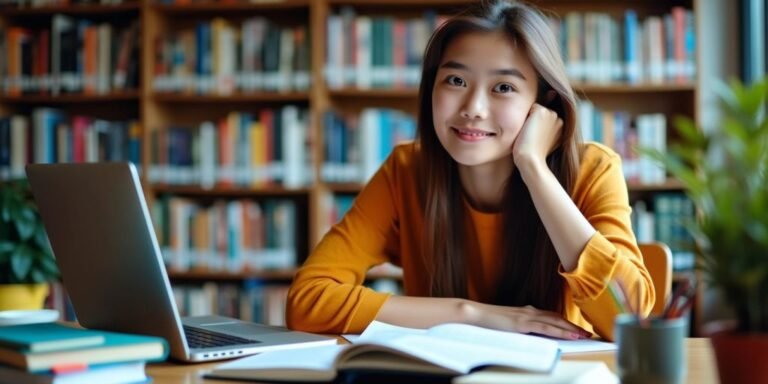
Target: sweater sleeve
pixel 327 294
pixel 612 252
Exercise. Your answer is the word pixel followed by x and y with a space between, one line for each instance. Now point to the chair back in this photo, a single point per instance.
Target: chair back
pixel 658 260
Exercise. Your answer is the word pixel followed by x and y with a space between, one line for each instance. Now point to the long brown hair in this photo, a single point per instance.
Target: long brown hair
pixel 530 262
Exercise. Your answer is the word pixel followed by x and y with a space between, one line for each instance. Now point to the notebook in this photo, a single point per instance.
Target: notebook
pixel 121 373
pixel 105 246
pixel 45 337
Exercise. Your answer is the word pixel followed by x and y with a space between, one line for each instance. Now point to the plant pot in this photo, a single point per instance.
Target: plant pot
pixel 741 358
pixel 22 296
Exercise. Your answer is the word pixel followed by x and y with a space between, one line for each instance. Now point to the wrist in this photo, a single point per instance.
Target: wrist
pixel 531 168
pixel 467 312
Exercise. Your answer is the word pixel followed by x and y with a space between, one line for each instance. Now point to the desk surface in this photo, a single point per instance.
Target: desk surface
pixel 701 366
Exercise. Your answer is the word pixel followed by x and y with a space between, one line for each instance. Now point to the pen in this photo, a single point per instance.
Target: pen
pixel 679 292
pixel 681 302
pixel 687 301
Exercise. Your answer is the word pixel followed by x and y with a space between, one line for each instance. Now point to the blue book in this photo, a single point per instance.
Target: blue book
pixel 46 337
pixel 126 373
pixel 116 348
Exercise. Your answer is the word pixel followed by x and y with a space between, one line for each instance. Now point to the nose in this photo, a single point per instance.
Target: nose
pixel 475 105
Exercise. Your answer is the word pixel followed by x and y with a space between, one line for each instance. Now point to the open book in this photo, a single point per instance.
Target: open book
pixel 448 350
pixel 565 346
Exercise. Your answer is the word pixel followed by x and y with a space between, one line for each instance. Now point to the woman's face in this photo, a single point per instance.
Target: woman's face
pixel 483 91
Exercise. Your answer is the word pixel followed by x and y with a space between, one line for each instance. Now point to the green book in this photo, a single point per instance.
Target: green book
pixel 46 337
pixel 116 348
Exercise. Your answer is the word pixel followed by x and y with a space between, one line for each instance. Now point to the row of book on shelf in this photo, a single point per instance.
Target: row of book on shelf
pixel 73 55
pixel 240 149
pixel 599 48
pixel 666 218
pixel 356 144
pixel 218 57
pixel 250 300
pixel 232 236
pixel 386 52
pixel 57 353
pixel 625 133
pixel 365 51
pixel 51 136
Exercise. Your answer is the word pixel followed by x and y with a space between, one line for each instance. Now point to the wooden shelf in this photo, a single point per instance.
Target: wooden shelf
pixel 259 97
pixel 669 185
pixel 71 98
pixel 187 190
pixel 344 187
pixel 207 7
pixel 76 9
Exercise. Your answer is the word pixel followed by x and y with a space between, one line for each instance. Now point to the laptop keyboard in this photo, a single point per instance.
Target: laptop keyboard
pixel 203 338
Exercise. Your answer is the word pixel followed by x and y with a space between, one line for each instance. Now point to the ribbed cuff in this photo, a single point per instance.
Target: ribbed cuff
pixel 594 269
pixel 370 305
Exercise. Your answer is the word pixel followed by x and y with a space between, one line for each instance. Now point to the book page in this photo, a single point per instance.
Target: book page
pixel 462 356
pixel 494 338
pixel 378 330
pixel 313 363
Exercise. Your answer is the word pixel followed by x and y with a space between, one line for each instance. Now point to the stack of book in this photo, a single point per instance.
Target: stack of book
pixel 55 353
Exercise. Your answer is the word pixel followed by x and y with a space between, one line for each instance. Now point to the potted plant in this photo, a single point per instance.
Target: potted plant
pixel 26 261
pixel 725 173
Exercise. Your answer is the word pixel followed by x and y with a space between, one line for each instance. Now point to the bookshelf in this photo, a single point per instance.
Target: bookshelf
pixel 174 90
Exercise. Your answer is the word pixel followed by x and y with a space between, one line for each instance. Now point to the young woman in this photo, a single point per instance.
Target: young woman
pixel 497 214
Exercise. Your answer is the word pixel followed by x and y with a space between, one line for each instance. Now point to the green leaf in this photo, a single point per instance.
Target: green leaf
pixel 21 262
pixel 5 257
pixel 48 266
pixel 41 238
pixel 692 136
pixel 6 209
pixel 25 223
pixel 37 277
pixel 6 247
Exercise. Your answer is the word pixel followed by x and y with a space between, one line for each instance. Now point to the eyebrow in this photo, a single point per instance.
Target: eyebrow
pixel 504 71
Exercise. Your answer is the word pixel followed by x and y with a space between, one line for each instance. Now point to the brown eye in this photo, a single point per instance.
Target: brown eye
pixel 504 88
pixel 455 80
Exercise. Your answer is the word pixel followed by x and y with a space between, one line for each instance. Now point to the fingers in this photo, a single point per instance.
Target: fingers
pixel 549 330
pixel 549 323
pixel 558 322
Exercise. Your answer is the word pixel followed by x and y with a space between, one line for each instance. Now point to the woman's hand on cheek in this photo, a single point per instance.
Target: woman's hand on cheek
pixel 537 138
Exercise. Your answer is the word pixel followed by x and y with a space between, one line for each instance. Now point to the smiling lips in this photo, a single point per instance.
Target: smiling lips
pixel 471 134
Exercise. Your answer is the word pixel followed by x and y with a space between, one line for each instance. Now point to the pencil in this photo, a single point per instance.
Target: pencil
pixel 618 296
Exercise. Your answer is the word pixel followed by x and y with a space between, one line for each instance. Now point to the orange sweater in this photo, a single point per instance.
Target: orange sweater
pixel 385 224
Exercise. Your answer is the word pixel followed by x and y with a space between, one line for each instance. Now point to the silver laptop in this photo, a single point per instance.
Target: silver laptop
pixel 101 233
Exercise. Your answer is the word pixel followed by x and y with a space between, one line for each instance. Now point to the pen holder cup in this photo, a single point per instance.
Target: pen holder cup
pixel 651 350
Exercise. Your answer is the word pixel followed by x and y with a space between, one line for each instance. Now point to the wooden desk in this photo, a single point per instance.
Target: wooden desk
pixel 701 366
